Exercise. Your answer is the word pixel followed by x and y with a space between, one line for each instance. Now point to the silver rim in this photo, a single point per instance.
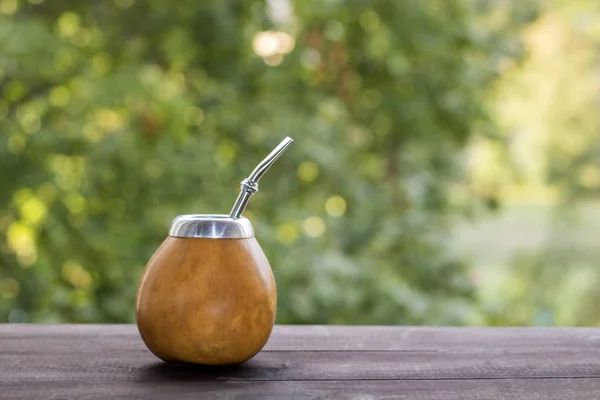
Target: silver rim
pixel 211 227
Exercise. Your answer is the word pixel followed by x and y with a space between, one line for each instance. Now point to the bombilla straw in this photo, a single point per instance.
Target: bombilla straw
pixel 249 186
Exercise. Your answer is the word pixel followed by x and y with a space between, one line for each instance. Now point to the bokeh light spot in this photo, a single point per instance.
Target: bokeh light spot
pixel 334 30
pixel 379 46
pixel 20 239
pixel 193 115
pixel 9 7
pixel 68 24
pixel 151 74
pixel 76 203
pixel 33 211
pixel 310 58
pixel 226 152
pixel 335 206
pixel 314 226
pixel 269 43
pixel 75 274
pixel 273 60
pixel 357 136
pixel 166 90
pixel 108 119
pixel 286 42
pixel 92 132
pixel 287 233
pixel 59 96
pixel 265 44
pixel 308 171
pixel 272 46
pixel 30 123
pixel 369 21
pixel 589 177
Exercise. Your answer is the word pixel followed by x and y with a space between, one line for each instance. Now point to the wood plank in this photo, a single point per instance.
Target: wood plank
pixel 309 365
pixel 161 388
pixel 103 361
pixel 49 338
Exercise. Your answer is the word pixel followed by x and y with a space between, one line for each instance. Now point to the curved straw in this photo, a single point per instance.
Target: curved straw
pixel 250 185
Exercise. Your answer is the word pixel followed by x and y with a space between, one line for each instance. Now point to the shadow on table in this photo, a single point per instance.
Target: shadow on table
pixel 162 371
pixel 247 381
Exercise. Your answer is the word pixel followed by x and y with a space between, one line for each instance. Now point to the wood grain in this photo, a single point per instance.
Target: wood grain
pixel 162 388
pixel 102 361
pixel 17 337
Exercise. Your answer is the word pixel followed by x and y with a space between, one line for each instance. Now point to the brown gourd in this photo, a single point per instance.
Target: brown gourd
pixel 207 295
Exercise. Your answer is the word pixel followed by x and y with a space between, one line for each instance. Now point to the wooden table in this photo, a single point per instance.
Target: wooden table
pixel 308 362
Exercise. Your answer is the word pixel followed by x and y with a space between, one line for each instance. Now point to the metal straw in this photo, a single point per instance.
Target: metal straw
pixel 249 186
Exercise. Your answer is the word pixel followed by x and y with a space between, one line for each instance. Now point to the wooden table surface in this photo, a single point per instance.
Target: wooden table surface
pixel 308 362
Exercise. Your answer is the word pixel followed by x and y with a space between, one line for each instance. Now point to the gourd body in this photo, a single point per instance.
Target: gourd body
pixel 206 301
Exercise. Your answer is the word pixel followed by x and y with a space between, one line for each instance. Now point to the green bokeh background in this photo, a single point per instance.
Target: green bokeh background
pixel 116 116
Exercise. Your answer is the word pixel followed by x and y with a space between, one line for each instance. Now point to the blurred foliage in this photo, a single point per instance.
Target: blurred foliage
pixel 548 152
pixel 118 115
